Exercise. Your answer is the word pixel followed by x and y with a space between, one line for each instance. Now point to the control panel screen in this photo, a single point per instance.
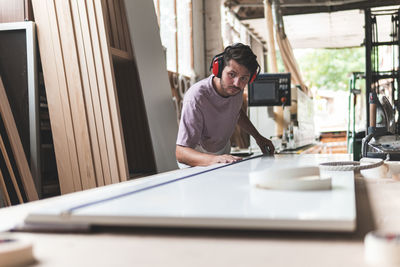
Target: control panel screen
pixel 264 91
pixel 270 89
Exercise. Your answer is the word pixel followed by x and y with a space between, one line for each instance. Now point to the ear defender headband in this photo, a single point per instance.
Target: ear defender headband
pixel 217 65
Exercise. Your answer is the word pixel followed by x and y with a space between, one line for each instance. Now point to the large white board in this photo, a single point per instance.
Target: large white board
pixel 152 68
pixel 212 198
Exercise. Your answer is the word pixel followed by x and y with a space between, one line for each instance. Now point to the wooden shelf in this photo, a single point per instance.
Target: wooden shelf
pixel 120 54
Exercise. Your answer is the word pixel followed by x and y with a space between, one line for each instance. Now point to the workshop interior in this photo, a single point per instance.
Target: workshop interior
pixel 91 100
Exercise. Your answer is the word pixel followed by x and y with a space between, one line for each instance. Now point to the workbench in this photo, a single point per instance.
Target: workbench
pixel 377 204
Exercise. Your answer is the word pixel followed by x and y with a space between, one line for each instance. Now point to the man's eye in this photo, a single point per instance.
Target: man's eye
pixel 232 75
pixel 243 79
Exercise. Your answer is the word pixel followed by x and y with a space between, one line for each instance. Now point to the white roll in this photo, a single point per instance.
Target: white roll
pixel 382 248
pixel 14 252
pixel 299 178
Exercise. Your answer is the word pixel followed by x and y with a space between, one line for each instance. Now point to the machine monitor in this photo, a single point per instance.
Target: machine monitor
pixel 270 89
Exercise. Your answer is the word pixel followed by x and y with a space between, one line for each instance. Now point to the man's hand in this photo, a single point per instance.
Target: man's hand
pixel 266 145
pixel 225 159
pixel 191 157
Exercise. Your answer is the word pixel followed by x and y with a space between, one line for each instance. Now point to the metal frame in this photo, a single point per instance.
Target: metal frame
pixel 372 73
pixel 33 96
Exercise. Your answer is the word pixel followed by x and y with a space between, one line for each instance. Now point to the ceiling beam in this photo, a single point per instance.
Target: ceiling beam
pixel 314 8
pixel 254 9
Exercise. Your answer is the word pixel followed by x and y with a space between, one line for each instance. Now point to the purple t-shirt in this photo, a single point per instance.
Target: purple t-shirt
pixel 208 119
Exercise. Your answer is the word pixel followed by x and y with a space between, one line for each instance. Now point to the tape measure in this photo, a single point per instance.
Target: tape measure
pixel 382 248
pixel 298 178
pixel 15 252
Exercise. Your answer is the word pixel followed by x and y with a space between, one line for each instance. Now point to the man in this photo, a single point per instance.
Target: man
pixel 212 107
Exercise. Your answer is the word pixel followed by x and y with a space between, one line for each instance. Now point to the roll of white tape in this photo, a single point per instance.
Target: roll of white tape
pixel 300 178
pixel 14 252
pixel 382 249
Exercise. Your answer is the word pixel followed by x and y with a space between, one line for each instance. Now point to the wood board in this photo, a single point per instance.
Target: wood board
pixel 15 159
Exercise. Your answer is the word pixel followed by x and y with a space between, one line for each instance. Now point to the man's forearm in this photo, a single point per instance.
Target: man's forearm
pixel 191 157
pixel 245 123
pixel 265 144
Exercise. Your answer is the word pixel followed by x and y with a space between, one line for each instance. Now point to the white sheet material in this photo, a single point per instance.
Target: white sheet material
pixel 148 52
pixel 218 198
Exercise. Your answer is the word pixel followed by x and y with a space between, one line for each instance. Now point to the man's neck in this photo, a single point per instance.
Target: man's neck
pixel 216 82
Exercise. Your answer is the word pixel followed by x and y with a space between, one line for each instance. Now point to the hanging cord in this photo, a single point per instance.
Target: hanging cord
pixel 348 166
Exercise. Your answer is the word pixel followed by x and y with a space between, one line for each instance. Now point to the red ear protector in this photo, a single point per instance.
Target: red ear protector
pixel 217 65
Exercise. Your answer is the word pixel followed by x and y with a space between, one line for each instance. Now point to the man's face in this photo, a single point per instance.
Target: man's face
pixel 234 78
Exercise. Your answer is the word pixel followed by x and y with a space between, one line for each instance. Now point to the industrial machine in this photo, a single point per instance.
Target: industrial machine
pixel 270 89
pixel 274 89
pixel 382 89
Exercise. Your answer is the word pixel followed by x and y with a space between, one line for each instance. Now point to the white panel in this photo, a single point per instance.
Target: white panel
pixel 153 75
pixel 220 198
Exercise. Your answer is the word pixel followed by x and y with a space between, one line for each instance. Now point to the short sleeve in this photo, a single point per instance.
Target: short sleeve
pixel 191 125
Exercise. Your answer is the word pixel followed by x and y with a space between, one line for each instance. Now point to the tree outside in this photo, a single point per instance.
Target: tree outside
pixel 330 69
pixel 327 72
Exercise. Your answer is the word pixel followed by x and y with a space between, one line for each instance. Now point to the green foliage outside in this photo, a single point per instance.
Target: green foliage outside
pixel 330 68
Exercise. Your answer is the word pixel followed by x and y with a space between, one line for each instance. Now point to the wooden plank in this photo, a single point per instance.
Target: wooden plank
pixel 16 146
pixel 113 22
pixel 107 22
pixel 120 54
pixel 62 87
pixel 112 95
pixel 11 11
pixel 61 126
pixel 120 28
pixel 4 191
pixel 75 94
pixel 91 91
pixel 128 42
pixel 107 99
pixel 10 169
pixel 28 12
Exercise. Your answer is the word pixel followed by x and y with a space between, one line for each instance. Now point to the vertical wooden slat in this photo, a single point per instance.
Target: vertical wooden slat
pixel 4 191
pixel 61 126
pixel 113 22
pixel 128 42
pixel 87 58
pixel 107 99
pixel 62 87
pixel 10 170
pixel 120 28
pixel 83 78
pixel 112 95
pixel 16 146
pixel 11 11
pixel 107 23
pixel 75 94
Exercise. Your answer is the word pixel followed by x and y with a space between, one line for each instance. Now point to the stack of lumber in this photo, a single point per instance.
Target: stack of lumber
pixel 81 93
pixel 16 182
pixel 110 106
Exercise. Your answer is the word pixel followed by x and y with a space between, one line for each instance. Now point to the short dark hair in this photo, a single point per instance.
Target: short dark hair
pixel 243 55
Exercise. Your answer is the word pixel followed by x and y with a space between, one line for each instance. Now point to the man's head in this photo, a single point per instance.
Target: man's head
pixel 235 67
pixel 242 54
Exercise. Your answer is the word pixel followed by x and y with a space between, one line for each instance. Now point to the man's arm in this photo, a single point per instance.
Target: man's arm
pixel 245 123
pixel 191 157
